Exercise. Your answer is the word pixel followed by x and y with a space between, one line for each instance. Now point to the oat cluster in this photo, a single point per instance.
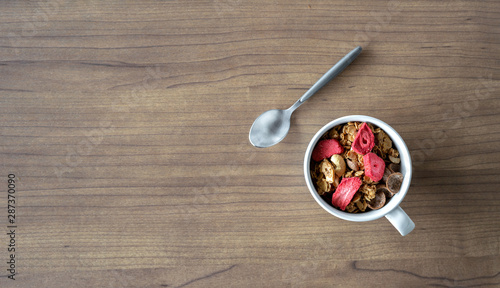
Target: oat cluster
pixel 328 173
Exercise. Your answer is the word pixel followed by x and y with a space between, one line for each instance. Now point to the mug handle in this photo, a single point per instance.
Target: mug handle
pixel 400 220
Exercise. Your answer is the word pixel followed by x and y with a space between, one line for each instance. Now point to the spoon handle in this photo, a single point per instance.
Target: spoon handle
pixel 334 71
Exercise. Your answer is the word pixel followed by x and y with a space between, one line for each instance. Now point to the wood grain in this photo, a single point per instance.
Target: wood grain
pixel 126 124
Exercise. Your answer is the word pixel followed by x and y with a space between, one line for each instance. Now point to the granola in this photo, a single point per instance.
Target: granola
pixel 331 170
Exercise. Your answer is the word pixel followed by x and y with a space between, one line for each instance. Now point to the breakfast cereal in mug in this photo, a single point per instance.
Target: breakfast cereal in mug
pixel 355 167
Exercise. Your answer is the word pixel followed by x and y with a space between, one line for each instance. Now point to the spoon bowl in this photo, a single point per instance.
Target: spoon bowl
pixel 272 126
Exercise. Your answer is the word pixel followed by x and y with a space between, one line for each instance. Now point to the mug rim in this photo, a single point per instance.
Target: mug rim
pixel 406 169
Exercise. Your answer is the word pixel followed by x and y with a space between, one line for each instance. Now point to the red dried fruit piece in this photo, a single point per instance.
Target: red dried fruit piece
pixel 364 140
pixel 374 166
pixel 326 148
pixel 345 191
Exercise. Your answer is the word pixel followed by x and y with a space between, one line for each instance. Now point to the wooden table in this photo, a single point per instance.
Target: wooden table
pixel 125 126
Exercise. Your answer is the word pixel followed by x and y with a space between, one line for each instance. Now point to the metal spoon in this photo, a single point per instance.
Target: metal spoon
pixel 273 125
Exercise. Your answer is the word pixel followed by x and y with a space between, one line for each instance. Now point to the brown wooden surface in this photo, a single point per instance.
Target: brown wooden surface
pixel 126 124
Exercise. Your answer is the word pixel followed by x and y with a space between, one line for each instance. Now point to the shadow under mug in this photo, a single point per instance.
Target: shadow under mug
pixel 398 218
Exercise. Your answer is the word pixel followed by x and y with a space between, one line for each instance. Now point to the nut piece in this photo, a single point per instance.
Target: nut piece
pixel 353 165
pixel 356 197
pixel 377 202
pixel 323 186
pixel 336 182
pixel 351 155
pixel 327 169
pixel 394 159
pixel 394 182
pixel 359 173
pixel 338 164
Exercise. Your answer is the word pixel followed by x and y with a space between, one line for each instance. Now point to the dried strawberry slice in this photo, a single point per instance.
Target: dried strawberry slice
pixel 326 148
pixel 374 166
pixel 345 191
pixel 364 140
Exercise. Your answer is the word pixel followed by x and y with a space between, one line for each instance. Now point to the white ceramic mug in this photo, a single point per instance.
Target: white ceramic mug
pixel 398 218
